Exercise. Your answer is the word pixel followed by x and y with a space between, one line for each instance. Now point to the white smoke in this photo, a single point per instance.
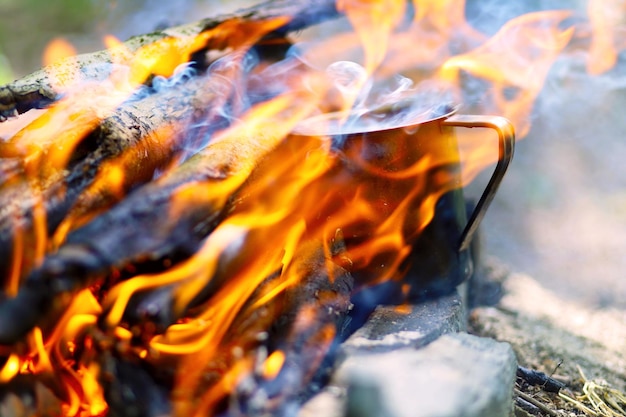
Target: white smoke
pixel 560 213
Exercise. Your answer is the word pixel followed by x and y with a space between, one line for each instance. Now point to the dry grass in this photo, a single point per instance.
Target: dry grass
pixel 586 397
pixel 598 398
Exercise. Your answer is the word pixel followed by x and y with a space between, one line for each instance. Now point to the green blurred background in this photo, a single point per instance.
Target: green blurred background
pixel 26 26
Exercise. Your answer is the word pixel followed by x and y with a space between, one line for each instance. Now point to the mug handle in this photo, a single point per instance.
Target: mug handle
pixel 506 140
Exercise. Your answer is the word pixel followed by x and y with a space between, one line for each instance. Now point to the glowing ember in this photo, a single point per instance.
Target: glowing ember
pixel 205 262
pixel 273 364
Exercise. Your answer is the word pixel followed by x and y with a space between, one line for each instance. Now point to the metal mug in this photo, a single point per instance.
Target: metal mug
pixel 373 158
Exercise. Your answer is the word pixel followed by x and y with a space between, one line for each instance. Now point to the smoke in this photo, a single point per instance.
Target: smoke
pixel 362 104
pixel 560 213
pixel 351 81
pixel 488 16
pixel 181 74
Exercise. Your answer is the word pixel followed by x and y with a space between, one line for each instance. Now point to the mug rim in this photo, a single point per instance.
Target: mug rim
pixel 355 130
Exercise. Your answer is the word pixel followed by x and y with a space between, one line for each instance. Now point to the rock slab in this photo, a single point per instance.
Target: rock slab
pixel 457 375
pixel 390 328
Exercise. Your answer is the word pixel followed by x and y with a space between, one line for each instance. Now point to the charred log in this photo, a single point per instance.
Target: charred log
pixel 307 332
pixel 126 236
pixel 130 390
pixel 108 233
pixel 143 135
pixel 302 322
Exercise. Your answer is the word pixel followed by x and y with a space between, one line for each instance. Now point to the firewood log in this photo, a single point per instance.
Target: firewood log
pixel 153 224
pixel 302 322
pixel 141 137
pixel 130 390
pixel 37 90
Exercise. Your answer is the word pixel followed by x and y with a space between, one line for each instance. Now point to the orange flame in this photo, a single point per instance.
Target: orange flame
pixel 296 204
pixel 442 15
pixel 61 77
pixel 10 368
pixel 273 364
pixel 57 50
pixel 374 22
pixel 516 62
pixel 608 34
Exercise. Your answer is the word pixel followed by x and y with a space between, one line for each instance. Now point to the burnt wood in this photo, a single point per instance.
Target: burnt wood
pixel 144 230
pixel 532 377
pixel 141 137
pixel 133 226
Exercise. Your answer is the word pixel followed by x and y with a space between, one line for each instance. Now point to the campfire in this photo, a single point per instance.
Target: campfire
pixel 196 217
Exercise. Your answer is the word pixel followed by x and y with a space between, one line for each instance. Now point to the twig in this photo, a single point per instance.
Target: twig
pixel 547 383
pixel 536 403
pixel 526 406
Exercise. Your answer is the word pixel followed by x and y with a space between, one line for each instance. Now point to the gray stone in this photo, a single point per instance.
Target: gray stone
pixel 328 403
pixel 390 328
pixel 457 375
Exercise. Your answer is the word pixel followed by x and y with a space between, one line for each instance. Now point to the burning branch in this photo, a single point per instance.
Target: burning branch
pixel 124 236
pixel 127 143
pixel 110 148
